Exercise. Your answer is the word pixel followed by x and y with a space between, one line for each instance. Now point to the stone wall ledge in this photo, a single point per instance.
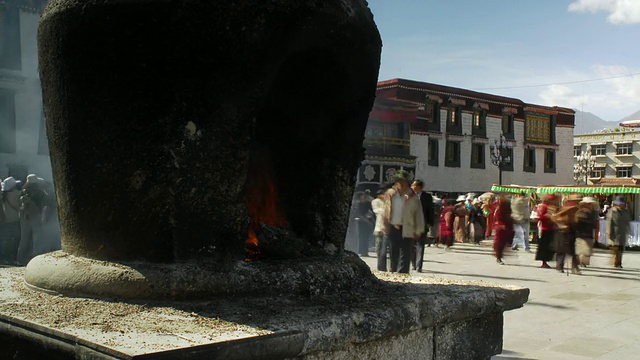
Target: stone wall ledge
pixel 398 316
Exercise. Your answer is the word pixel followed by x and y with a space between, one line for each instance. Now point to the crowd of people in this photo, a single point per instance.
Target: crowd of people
pixel 568 228
pixel 28 220
pixel 403 219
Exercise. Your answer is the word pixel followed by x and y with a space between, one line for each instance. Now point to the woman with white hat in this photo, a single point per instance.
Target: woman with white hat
pixel 460 223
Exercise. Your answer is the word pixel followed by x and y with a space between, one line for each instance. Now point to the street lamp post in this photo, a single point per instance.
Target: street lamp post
pixel 584 164
pixel 500 157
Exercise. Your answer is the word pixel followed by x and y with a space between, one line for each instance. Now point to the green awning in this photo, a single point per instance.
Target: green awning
pixel 605 190
pixel 513 189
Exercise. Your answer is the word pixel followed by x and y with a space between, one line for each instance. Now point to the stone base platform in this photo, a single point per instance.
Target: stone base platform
pixel 399 317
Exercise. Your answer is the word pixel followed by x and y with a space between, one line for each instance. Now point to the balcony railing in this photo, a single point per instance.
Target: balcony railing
pixel 387 145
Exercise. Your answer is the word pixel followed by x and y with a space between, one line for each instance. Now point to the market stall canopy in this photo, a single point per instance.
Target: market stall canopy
pixel 589 189
pixel 513 189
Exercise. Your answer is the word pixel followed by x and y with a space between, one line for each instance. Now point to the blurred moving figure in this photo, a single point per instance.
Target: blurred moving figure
pixel 426 200
pixel 565 220
pixel 9 219
pixel 520 214
pixel 619 221
pixel 447 217
pixel 38 220
pixel 547 228
pixel 504 228
pixel 379 232
pixel 587 220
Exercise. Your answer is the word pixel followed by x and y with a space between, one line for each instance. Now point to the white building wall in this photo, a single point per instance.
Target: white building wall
pixel 564 156
pixel 465 179
pixel 28 106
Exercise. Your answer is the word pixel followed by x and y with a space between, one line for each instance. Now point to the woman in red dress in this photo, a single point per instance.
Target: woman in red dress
pixel 548 229
pixel 503 225
pixel 446 223
pixel 489 208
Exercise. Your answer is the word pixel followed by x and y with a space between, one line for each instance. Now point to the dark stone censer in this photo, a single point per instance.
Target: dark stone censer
pixel 204 155
pixel 179 128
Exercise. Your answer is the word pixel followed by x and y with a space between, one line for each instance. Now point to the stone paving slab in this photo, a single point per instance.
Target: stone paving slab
pixel 595 315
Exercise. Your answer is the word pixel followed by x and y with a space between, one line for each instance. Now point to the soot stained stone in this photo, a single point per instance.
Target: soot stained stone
pixel 153 107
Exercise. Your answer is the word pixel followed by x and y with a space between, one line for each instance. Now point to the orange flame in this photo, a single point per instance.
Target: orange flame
pixel 262 201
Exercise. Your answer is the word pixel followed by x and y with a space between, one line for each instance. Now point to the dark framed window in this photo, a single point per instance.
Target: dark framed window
pixel 623 171
pixel 529 163
pixel 432 108
pixel 477 156
pixel 600 149
pixel 452 156
pixel 454 120
pixel 577 150
pixel 432 152
pixel 479 126
pixel 507 126
pixel 508 165
pixel 624 149
pixel 10 48
pixel 598 172
pixel 549 161
pixel 7 123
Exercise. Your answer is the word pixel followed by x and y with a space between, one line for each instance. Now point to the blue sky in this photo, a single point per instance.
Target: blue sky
pixel 548 52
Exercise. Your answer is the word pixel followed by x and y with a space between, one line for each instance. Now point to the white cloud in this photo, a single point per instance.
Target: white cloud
pixel 611 99
pixel 562 95
pixel 620 11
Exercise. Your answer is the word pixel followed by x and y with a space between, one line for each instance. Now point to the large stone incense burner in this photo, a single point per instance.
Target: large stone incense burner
pixel 204 155
pixel 179 129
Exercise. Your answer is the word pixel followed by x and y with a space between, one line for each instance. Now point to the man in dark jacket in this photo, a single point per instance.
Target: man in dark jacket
pixel 427 210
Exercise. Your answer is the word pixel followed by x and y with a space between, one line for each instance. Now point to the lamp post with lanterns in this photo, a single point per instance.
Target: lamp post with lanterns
pixel 500 152
pixel 583 165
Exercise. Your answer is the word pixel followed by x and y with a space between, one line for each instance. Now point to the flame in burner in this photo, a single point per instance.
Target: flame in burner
pixel 262 201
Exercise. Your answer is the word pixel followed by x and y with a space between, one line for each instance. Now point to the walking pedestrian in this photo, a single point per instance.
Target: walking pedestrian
pixel 504 228
pixel 35 210
pixel 547 228
pixel 586 224
pixel 9 219
pixel 364 222
pixel 476 221
pixel 566 236
pixel 619 222
pixel 460 222
pixel 404 221
pixel 426 201
pixel 447 217
pixel 379 234
pixel 434 231
pixel 520 214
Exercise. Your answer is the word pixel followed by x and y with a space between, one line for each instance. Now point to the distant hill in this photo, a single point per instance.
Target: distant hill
pixel 634 116
pixel 586 123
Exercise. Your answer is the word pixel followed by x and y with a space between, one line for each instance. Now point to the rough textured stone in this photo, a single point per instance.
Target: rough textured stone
pixel 387 318
pixel 154 108
pixel 472 339
pixel 77 276
pixel 414 345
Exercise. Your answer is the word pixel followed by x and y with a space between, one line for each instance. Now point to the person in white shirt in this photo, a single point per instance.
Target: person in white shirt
pixel 404 221
pixel 379 235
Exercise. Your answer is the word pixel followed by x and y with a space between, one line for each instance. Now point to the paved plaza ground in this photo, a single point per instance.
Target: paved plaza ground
pixel 595 315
